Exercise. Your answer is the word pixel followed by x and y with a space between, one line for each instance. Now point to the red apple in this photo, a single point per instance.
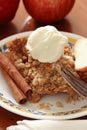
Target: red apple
pixel 48 11
pixel 8 9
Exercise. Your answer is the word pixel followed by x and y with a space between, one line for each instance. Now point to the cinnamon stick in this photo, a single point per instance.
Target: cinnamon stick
pixel 6 64
pixel 18 94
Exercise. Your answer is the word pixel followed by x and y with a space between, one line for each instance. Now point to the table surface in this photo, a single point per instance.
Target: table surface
pixel 74 22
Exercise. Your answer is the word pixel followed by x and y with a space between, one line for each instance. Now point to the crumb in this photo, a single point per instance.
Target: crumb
pixel 59 104
pixel 41 105
pixel 73 98
pixel 46 106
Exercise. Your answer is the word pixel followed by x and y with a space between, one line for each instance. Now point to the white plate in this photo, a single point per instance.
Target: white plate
pixel 31 110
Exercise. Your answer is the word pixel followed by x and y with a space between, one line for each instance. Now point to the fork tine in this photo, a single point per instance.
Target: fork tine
pixel 77 84
pixel 74 78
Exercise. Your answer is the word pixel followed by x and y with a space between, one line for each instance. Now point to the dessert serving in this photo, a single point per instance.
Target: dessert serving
pixel 34 64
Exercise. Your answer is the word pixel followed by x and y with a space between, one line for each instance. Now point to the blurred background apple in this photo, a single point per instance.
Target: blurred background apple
pixel 8 9
pixel 48 11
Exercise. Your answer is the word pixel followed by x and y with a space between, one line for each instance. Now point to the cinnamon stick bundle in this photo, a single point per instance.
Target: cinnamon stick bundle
pixel 17 93
pixel 6 64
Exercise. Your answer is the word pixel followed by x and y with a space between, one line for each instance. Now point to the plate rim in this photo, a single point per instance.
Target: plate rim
pixel 79 113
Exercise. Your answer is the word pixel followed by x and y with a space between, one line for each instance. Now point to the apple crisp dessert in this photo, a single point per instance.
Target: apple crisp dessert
pixel 43 78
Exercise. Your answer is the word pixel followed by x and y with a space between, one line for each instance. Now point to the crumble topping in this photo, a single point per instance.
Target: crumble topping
pixel 43 78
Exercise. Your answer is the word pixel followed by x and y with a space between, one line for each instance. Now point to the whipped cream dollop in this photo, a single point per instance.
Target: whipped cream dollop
pixel 46 44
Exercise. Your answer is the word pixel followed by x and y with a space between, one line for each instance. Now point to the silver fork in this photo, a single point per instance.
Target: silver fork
pixel 77 84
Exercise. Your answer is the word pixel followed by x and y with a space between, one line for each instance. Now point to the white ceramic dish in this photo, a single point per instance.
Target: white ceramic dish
pixel 68 111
